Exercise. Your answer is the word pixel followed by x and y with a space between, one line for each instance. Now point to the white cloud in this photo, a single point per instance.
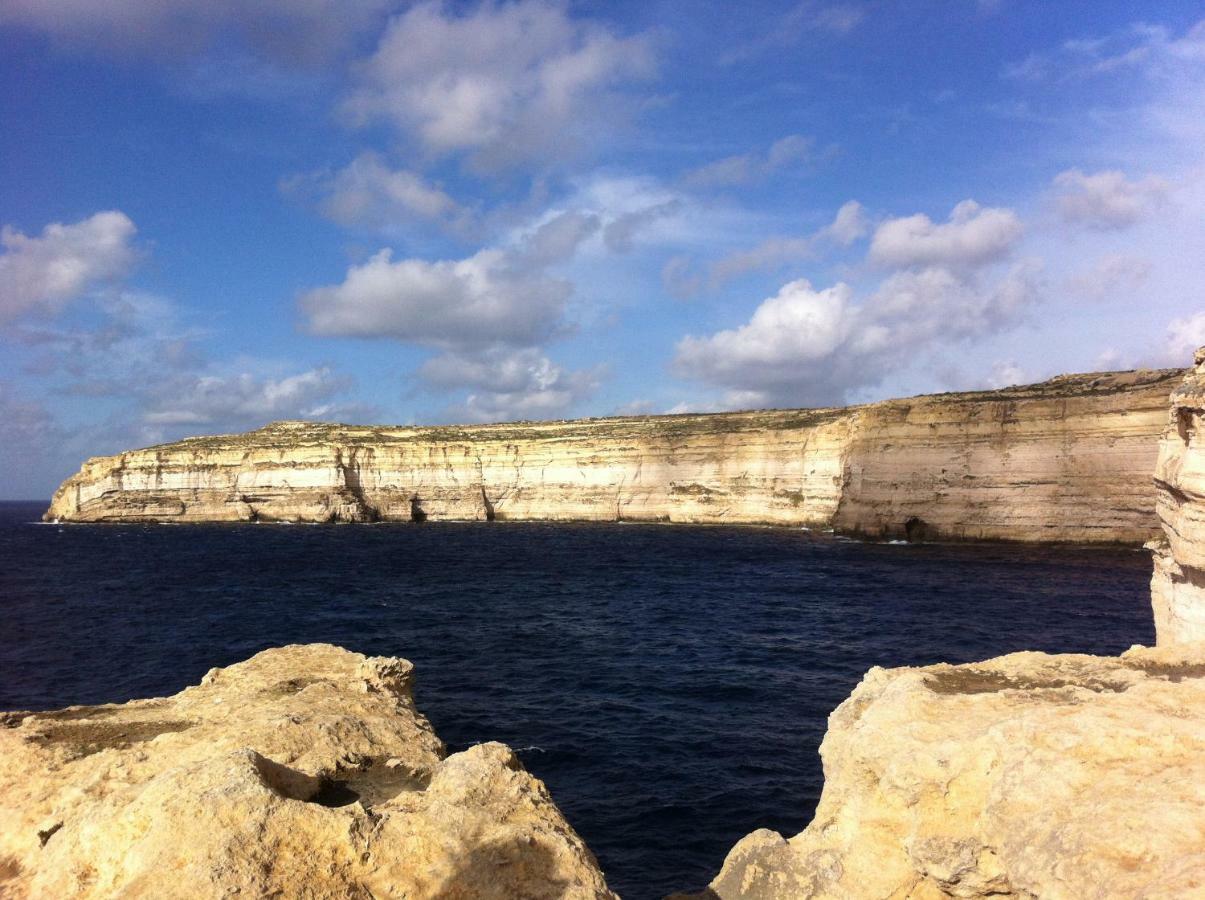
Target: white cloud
pixel 792 150
pixel 1184 337
pixel 505 83
pixel 368 193
pixel 243 399
pixel 287 30
pixel 557 239
pixel 973 236
pixel 483 300
pixel 807 346
pixel 806 16
pixel 42 274
pixel 1112 275
pixel 849 225
pixel 620 234
pixel 1107 200
pixel 506 385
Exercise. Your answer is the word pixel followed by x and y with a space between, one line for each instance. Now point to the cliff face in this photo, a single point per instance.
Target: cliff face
pixel 303 772
pixel 1068 460
pixel 1178 585
pixel 1025 776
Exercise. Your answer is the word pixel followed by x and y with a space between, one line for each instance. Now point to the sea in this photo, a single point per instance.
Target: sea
pixel 669 683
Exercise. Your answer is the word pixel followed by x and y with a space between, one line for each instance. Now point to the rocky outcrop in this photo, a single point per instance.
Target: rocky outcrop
pixel 1025 776
pixel 1178 585
pixel 1065 460
pixel 303 772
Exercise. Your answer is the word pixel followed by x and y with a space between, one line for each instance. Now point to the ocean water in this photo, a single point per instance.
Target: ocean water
pixel 670 684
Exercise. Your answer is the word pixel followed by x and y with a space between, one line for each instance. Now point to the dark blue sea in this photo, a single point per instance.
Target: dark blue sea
pixel 669 683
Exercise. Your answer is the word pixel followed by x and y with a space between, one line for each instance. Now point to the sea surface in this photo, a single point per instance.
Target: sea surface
pixel 670 683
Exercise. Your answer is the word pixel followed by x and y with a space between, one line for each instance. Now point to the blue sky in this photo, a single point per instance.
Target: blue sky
pixel 218 214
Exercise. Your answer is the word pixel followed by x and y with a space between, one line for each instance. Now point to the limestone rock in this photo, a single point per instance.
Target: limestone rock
pixel 1178 585
pixel 303 772
pixel 1065 460
pixel 1029 775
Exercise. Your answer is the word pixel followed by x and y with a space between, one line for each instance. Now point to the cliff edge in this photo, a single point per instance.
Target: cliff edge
pixel 303 772
pixel 1065 460
pixel 1178 585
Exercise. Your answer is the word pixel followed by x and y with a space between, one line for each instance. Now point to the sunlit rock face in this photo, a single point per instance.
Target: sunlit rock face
pixel 1178 585
pixel 1065 460
pixel 303 772
pixel 1030 775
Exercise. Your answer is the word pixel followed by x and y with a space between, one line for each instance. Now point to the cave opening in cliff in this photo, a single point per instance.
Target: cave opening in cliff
pixel 417 514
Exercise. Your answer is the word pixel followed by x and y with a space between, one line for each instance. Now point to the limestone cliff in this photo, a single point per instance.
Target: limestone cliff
pixel 1065 460
pixel 303 772
pixel 1178 585
pixel 1025 776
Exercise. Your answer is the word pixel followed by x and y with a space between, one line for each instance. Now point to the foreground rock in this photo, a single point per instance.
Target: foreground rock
pixel 1178 585
pixel 1025 776
pixel 1066 460
pixel 302 772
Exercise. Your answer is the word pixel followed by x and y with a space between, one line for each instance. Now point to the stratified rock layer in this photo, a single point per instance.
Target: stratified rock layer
pixel 1025 776
pixel 1065 460
pixel 1178 585
pixel 302 772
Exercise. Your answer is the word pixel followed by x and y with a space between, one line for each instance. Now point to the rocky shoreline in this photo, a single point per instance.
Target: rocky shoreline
pixel 1067 460
pixel 307 771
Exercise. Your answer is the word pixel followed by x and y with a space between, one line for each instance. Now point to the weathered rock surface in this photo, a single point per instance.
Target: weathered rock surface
pixel 1065 460
pixel 1178 585
pixel 1027 776
pixel 303 772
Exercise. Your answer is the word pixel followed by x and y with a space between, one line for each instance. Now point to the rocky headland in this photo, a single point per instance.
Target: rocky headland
pixel 1065 460
pixel 305 771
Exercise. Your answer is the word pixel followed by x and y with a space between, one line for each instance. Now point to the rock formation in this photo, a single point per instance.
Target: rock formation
pixel 1026 776
pixel 1178 585
pixel 1065 460
pixel 303 772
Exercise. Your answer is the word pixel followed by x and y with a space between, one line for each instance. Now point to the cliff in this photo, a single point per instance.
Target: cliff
pixel 1025 776
pixel 1065 460
pixel 303 772
pixel 1178 585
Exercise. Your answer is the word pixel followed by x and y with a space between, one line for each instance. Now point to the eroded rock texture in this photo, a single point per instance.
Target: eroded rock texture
pixel 1178 585
pixel 1065 460
pixel 303 772
pixel 1027 776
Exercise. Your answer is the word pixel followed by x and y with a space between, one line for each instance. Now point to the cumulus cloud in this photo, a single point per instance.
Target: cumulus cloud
pixel 1107 200
pixel 44 273
pixel 973 236
pixel 368 193
pixel 287 30
pixel 482 300
pixel 792 150
pixel 504 83
pixel 849 225
pixel 808 346
pixel 507 385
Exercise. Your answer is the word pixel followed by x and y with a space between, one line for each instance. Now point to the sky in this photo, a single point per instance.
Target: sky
pixel 217 214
